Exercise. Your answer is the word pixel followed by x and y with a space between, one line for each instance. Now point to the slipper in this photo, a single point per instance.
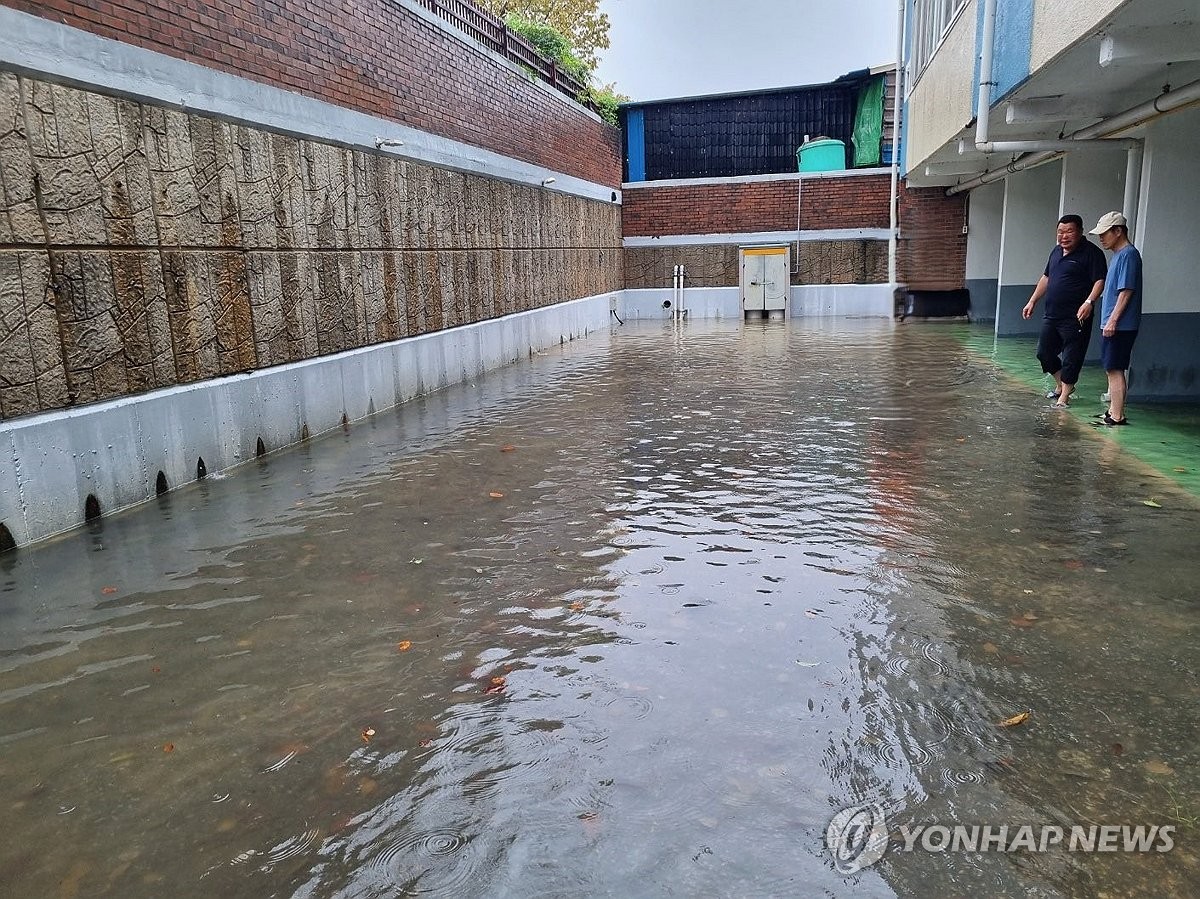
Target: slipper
pixel 1111 422
pixel 1052 395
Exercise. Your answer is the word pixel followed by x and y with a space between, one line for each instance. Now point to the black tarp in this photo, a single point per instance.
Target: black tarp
pixel 745 134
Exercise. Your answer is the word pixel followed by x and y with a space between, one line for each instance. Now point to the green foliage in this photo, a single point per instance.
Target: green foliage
pixel 550 43
pixel 605 99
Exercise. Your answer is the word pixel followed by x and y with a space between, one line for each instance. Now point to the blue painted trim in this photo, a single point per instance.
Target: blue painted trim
pixel 635 144
pixel 1014 45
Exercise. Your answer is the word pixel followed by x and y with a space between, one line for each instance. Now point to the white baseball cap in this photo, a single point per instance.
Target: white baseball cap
pixel 1108 221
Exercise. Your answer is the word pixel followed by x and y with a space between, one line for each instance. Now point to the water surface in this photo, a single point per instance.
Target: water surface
pixel 634 618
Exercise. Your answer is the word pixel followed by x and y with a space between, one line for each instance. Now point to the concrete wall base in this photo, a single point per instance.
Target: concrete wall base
pixel 114 451
pixel 806 300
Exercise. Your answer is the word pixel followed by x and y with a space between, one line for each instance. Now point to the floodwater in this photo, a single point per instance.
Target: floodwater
pixel 634 618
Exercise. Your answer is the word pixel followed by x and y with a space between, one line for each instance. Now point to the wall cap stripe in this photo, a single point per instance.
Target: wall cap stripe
pixel 758 237
pixel 754 179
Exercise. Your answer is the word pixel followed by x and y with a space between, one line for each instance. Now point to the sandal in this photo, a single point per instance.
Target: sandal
pixel 1111 422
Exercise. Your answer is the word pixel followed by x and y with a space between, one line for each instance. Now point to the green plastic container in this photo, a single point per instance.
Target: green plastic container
pixel 822 155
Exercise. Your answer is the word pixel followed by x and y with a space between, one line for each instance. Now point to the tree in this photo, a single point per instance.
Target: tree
pixel 579 21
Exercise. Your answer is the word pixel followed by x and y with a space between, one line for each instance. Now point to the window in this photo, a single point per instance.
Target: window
pixel 931 20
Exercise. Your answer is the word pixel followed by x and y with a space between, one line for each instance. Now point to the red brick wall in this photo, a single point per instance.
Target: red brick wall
pixel 372 56
pixel 859 201
pixel 932 253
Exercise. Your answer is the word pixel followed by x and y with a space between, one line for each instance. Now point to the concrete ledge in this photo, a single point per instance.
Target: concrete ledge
pixel 758 237
pixel 808 300
pixel 114 451
pixel 842 300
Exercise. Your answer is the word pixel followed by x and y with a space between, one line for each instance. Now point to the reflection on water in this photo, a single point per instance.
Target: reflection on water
pixel 636 618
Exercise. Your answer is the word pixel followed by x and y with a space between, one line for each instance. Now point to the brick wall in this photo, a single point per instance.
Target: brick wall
pixel 932 251
pixel 931 254
pixel 373 56
pixel 859 201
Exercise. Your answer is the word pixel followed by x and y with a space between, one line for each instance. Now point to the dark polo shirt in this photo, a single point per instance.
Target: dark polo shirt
pixel 1071 278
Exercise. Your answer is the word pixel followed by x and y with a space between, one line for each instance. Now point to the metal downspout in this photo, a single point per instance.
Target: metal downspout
pixel 893 209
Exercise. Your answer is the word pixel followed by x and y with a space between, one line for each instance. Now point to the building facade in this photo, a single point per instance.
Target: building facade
pixel 1085 108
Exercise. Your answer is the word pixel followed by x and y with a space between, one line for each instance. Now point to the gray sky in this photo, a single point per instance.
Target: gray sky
pixel 677 48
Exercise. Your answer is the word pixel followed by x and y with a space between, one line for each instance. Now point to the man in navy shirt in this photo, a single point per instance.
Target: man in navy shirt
pixel 1071 282
pixel 1120 310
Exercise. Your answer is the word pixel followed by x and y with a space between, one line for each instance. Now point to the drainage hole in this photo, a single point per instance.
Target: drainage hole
pixel 201 469
pixel 160 484
pixel 91 508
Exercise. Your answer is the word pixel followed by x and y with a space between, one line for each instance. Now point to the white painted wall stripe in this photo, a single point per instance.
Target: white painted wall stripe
pixel 758 237
pixel 754 179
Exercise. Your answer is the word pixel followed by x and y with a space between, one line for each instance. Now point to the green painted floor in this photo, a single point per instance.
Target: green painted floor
pixel 1165 437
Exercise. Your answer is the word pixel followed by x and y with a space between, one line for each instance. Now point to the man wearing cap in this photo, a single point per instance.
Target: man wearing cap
pixel 1120 310
pixel 1071 282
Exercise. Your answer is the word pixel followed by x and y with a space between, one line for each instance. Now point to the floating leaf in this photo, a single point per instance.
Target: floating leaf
pixel 991 648
pixel 508 448
pixel 425 744
pixel 108 591
pixel 1180 469
pixel 169 747
pixel 1019 718
pixel 1155 766
pixel 155 669
pixel 576 607
pixel 496 494
pixel 1030 616
pixel 1027 592
pixel 496 685
pixel 367 733
pixel 404 645
pixel 1151 503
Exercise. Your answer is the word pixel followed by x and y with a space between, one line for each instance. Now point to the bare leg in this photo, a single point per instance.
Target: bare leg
pixel 1116 395
pixel 1064 393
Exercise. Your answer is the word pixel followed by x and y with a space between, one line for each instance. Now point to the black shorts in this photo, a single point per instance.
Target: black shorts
pixel 1116 350
pixel 1062 345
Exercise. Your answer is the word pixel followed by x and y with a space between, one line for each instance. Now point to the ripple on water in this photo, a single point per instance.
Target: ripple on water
pixel 442 860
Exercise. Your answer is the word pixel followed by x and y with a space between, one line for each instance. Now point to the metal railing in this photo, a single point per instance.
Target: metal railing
pixel 491 31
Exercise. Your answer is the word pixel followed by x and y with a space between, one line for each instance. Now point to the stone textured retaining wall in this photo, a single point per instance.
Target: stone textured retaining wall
pixel 716 265
pixel 143 247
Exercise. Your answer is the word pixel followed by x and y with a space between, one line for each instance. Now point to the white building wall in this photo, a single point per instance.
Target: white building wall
pixel 1057 24
pixel 940 102
pixel 1031 201
pixel 985 216
pixel 1169 233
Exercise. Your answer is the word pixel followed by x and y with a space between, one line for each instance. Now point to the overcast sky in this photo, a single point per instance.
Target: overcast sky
pixel 678 48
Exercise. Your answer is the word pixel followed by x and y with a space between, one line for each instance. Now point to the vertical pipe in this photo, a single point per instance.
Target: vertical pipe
pixel 1133 175
pixel 987 43
pixel 682 305
pixel 893 210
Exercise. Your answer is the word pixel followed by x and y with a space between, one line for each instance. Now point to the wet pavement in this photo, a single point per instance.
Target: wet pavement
pixel 635 618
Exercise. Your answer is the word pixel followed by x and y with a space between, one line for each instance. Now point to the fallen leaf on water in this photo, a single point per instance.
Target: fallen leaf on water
pixel 108 591
pixel 960 439
pixel 991 648
pixel 1155 766
pixel 367 733
pixel 1027 592
pixel 1030 616
pixel 404 645
pixel 496 494
pixel 1019 718
pixel 576 607
pixel 1180 469
pixel 507 448
pixel 425 744
pixel 155 669
pixel 1151 503
pixel 169 747
pixel 496 686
